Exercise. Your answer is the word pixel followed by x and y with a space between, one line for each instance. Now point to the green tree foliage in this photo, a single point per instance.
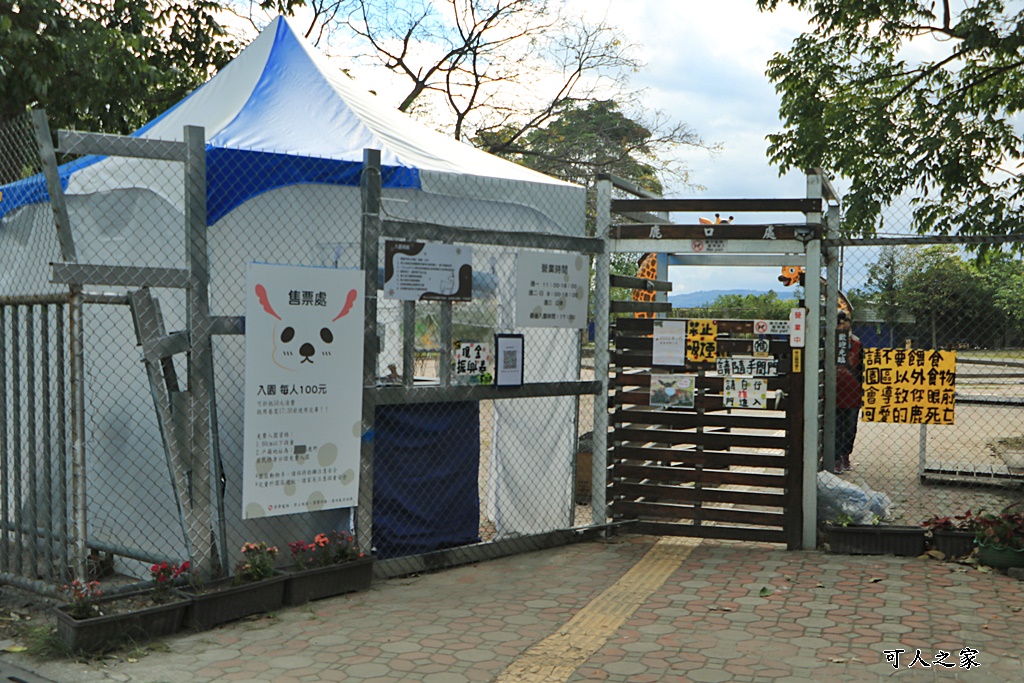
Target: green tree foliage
pixel 908 97
pixel 767 306
pixel 586 139
pixel 106 66
pixel 885 282
pixel 953 301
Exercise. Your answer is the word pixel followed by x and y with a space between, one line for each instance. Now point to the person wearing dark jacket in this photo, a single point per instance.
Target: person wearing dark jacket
pixel 848 392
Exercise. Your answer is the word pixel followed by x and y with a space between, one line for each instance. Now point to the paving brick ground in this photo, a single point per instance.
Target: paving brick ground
pixel 729 612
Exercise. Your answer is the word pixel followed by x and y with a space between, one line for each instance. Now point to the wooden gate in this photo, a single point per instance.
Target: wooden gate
pixel 707 465
pixel 699 463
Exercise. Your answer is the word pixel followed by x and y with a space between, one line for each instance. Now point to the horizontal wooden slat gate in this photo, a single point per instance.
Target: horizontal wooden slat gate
pixel 706 471
pixel 704 468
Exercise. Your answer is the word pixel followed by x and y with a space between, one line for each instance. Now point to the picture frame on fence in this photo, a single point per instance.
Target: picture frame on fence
pixel 508 360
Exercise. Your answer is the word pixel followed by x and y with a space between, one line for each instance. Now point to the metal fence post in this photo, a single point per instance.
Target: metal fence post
pixel 370 193
pixel 599 464
pixel 812 361
pixel 76 333
pixel 200 361
pixel 831 306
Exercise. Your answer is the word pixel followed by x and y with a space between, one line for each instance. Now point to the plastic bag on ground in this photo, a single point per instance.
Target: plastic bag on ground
pixel 862 505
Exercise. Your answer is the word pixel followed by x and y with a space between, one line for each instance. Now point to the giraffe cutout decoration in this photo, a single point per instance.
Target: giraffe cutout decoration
pixel 792 275
pixel 647 268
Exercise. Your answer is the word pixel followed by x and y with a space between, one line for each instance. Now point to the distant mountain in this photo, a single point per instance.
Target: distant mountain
pixel 705 297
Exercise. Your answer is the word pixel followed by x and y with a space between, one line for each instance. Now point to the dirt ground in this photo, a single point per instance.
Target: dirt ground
pixel 20 612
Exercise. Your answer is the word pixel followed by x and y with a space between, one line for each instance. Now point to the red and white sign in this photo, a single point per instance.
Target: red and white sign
pixel 771 327
pixel 797 327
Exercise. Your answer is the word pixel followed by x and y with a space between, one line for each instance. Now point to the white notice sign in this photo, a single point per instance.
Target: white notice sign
pixel 551 289
pixel 303 389
pixel 669 342
pixel 745 392
pixel 747 365
pixel 421 271
pixel 797 327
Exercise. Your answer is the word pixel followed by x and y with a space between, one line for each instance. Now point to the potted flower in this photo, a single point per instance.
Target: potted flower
pixel 1000 538
pixel 847 538
pixel 92 622
pixel 951 536
pixel 328 565
pixel 254 589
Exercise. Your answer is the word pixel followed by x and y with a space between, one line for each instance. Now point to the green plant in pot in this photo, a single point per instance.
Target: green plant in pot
pixel 1000 538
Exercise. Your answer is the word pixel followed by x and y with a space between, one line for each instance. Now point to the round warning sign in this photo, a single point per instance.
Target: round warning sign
pixel 697 246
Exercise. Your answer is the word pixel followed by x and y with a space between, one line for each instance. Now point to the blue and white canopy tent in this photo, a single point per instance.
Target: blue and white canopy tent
pixel 285 132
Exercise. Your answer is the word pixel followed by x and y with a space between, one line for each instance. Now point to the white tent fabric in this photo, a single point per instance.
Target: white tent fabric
pixel 282 96
pixel 285 134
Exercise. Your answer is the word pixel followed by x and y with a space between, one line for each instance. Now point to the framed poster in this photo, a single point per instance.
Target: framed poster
pixel 303 389
pixel 509 357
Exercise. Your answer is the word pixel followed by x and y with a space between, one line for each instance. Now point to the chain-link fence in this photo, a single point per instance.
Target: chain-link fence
pixel 940 425
pixel 160 252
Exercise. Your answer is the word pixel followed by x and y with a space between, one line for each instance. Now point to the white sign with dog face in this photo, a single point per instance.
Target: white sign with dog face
pixel 303 389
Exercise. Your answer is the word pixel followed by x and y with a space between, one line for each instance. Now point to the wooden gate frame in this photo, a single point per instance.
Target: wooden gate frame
pixel 742 245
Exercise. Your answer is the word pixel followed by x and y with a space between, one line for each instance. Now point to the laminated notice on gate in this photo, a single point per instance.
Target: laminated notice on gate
pixel 551 289
pixel 669 342
pixel 746 365
pixel 701 341
pixel 797 327
pixel 745 392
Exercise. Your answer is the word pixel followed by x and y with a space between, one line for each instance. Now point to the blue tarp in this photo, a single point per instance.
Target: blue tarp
pixel 425 478
pixel 32 190
pixel 233 177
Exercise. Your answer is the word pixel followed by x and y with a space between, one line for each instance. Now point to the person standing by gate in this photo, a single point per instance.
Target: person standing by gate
pixel 849 372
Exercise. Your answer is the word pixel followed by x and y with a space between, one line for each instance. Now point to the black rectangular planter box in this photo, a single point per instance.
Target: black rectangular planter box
pixel 221 602
pixel 102 633
pixel 907 541
pixel 953 543
pixel 304 585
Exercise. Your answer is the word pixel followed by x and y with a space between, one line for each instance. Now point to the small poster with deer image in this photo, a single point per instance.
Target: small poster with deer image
pixel 303 389
pixel 673 391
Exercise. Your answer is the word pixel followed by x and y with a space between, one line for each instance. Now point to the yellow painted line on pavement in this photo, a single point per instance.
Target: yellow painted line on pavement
pixel 556 657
